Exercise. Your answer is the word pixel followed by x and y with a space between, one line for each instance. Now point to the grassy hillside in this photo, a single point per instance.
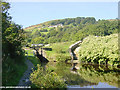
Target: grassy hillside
pixel 100 50
pixel 69 29
pixel 65 21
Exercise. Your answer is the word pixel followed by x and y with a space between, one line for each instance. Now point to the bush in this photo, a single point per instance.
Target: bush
pixel 102 50
pixel 46 79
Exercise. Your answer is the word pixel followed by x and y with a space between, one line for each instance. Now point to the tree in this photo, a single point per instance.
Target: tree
pixel 12 35
pixel 37 40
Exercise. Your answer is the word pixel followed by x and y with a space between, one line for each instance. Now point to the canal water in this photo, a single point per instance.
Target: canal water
pixel 85 75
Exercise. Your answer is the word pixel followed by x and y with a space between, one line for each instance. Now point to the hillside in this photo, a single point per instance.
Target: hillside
pixel 66 21
pixel 69 29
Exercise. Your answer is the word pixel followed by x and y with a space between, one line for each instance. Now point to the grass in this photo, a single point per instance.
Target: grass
pixel 45 33
pixel 31 57
pixel 39 29
pixel 47 29
pixel 13 71
pixel 34 60
pixel 60 51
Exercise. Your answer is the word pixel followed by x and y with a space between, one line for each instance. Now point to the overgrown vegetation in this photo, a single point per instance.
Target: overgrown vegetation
pixel 100 50
pixel 13 60
pixel 12 71
pixel 46 79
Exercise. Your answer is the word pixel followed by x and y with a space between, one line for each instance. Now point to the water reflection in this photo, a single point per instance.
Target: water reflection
pixel 100 85
pixel 85 75
pixel 74 67
pixel 97 73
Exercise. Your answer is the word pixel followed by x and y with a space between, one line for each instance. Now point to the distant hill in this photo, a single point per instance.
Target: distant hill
pixel 69 29
pixel 66 21
pixel 112 19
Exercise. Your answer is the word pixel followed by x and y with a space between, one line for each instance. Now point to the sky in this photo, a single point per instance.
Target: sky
pixel 32 13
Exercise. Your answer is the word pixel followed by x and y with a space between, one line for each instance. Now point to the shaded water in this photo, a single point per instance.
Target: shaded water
pixel 86 76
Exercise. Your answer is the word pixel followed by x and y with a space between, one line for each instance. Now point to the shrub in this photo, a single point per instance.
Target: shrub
pixel 100 50
pixel 46 79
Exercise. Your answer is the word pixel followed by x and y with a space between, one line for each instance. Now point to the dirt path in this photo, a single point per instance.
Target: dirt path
pixel 25 80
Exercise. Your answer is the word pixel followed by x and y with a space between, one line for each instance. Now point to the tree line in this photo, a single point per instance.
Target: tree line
pixel 13 62
pixel 73 29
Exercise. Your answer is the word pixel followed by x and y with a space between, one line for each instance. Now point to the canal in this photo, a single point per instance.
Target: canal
pixel 78 75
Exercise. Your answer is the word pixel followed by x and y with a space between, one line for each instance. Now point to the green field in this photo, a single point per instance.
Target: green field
pixel 60 51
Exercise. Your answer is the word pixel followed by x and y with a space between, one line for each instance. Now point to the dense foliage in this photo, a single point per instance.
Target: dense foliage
pixel 12 53
pixel 69 29
pixel 102 50
pixel 12 35
pixel 46 79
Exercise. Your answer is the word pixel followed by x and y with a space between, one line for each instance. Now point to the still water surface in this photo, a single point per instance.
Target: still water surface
pixel 85 75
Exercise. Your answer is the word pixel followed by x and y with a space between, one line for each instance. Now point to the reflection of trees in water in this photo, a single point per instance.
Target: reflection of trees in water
pixel 86 75
pixel 96 74
pixel 64 70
